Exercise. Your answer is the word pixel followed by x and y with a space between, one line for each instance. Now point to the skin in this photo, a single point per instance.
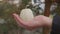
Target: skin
pixel 36 22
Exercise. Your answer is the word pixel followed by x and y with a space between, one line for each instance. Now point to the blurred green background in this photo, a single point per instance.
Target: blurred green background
pixel 7 23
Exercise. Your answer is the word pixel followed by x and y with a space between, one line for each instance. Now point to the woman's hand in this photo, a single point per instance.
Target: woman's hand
pixel 36 22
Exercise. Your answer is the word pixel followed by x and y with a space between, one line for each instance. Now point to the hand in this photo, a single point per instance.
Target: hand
pixel 36 22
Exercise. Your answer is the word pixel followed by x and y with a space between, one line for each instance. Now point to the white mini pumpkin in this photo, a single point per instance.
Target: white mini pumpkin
pixel 26 14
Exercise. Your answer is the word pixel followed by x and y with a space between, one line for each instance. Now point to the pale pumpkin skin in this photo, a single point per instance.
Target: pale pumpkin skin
pixel 26 14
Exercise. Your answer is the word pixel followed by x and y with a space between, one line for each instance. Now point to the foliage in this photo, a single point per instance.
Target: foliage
pixel 6 11
pixel 57 10
pixel 25 1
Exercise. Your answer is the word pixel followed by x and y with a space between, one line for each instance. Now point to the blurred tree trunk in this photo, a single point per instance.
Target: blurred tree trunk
pixel 47 13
